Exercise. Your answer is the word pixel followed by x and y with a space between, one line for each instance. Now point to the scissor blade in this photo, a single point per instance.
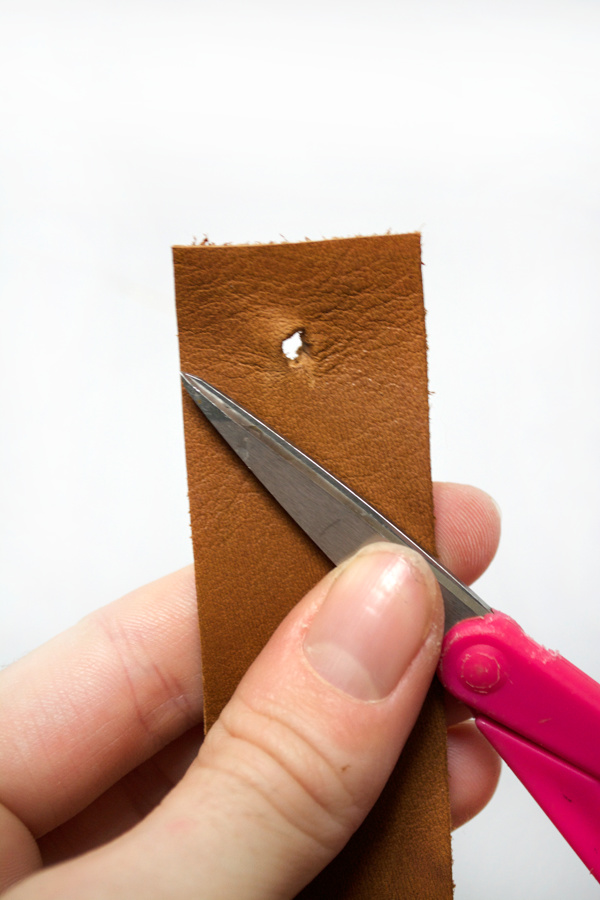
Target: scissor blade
pixel 336 519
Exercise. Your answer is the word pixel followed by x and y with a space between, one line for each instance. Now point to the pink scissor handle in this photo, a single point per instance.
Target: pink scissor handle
pixel 568 796
pixel 541 713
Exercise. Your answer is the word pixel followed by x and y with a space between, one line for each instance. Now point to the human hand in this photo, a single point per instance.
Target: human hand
pixel 103 749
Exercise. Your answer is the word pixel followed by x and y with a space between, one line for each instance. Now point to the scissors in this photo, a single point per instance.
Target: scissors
pixel 538 711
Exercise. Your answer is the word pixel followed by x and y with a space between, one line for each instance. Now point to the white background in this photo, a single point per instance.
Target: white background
pixel 129 126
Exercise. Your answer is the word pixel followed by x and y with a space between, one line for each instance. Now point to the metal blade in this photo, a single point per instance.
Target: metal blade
pixel 333 516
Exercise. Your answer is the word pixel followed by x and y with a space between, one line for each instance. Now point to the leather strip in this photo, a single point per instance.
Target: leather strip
pixel 356 400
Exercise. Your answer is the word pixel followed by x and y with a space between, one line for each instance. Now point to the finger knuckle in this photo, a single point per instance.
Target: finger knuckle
pixel 278 757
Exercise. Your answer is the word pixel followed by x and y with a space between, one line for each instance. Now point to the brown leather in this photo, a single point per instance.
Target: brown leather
pixel 356 400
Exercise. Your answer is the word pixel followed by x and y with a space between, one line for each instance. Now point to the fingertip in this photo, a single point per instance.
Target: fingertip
pixel 467 528
pixel 473 772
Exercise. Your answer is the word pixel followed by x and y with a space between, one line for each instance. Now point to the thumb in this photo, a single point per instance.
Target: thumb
pixel 306 744
pixel 304 747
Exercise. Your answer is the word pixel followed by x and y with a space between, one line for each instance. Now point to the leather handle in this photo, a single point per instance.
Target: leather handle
pixel 355 398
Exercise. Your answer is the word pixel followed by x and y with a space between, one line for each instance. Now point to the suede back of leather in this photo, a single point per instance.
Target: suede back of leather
pixel 356 400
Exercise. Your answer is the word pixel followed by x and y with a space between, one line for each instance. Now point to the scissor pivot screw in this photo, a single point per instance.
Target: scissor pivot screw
pixel 481 668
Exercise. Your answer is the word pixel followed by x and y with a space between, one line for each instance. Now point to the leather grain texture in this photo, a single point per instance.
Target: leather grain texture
pixel 356 400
